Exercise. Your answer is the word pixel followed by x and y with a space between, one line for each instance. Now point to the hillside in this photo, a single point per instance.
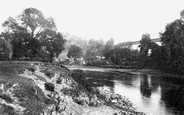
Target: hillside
pixel 35 88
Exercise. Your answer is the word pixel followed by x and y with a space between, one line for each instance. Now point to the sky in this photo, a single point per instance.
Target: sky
pixel 122 20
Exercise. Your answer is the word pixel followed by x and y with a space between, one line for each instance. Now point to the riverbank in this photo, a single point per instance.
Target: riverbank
pixel 36 88
pixel 152 87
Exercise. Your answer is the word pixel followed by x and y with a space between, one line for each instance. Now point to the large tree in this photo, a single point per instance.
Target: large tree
pixel 173 42
pixel 33 32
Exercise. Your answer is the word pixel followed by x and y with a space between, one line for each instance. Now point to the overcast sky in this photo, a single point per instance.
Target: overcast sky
pixel 123 20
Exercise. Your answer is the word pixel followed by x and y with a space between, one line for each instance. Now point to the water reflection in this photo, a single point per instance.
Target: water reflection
pixel 174 97
pixel 99 79
pixel 157 95
pixel 145 87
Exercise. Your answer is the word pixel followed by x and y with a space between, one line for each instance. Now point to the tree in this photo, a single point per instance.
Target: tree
pixel 5 49
pixel 145 47
pixel 94 48
pixel 32 31
pixel 173 43
pixel 182 15
pixel 108 46
pixel 157 57
pixel 53 43
pixel 145 43
pixel 110 43
pixel 120 55
pixel 75 52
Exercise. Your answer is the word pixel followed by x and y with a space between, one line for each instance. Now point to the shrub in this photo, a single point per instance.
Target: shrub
pixel 49 86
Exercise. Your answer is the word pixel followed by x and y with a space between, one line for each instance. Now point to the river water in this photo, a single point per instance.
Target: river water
pixel 152 94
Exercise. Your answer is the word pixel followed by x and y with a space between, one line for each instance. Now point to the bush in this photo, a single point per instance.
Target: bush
pixel 49 86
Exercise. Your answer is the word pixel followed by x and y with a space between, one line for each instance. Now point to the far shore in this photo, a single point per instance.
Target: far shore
pixel 131 71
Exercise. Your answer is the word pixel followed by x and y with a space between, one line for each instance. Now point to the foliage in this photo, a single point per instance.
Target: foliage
pixel 173 43
pixel 176 102
pixel 118 59
pixel 157 56
pixel 108 46
pixel 94 48
pixel 168 57
pixel 113 58
pixel 145 44
pixel 5 48
pixel 149 52
pixel 182 14
pixel 75 52
pixel 49 86
pixel 52 44
pixel 110 43
pixel 120 55
pixel 33 35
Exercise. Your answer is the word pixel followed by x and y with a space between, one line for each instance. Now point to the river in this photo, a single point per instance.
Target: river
pixel 152 94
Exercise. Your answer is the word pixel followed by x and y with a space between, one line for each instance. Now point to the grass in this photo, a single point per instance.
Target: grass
pixel 29 96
